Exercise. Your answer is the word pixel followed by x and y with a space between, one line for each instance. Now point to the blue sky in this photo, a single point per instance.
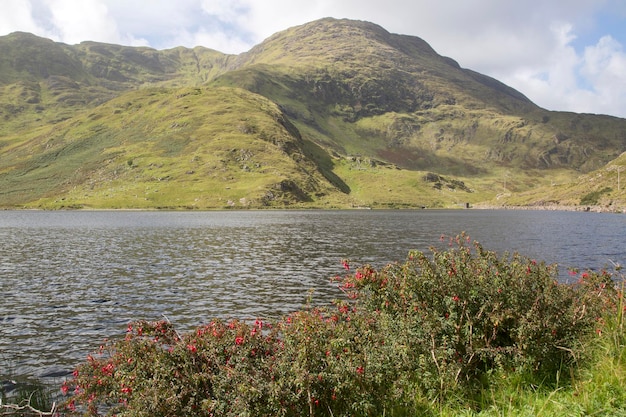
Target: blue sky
pixel 564 55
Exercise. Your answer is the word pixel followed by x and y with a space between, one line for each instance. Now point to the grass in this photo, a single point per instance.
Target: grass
pixel 161 143
pixel 397 188
pixel 597 388
pixel 29 398
pixel 600 189
pixel 202 148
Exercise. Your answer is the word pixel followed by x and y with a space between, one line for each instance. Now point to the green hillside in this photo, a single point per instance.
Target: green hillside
pixel 333 113
pixel 43 82
pixel 190 148
pixel 603 189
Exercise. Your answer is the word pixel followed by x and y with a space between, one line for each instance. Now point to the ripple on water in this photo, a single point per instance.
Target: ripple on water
pixel 71 279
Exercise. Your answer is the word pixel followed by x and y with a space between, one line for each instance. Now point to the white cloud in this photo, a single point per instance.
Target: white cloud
pixel 75 22
pixel 549 79
pixel 20 17
pixel 84 20
pixel 604 68
pixel 605 63
pixel 590 82
pixel 217 40
pixel 232 11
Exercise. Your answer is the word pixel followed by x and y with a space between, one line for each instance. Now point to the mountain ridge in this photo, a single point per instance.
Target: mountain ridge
pixel 361 106
pixel 385 51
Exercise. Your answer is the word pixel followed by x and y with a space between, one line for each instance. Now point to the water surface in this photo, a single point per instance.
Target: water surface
pixel 70 279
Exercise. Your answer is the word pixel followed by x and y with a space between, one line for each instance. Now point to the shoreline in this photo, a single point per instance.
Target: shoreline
pixel 476 206
pixel 555 207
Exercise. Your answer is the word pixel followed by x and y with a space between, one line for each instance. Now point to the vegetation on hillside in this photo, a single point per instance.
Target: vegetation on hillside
pixel 602 189
pixel 364 110
pixel 154 148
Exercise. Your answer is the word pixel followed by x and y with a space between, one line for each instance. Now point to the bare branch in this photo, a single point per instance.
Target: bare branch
pixel 27 408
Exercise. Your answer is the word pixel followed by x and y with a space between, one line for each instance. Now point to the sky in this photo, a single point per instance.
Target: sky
pixel 566 55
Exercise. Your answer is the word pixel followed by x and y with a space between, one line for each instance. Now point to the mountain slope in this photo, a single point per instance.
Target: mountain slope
pixel 337 113
pixel 396 72
pixel 361 90
pixel 45 82
pixel 603 189
pixel 155 148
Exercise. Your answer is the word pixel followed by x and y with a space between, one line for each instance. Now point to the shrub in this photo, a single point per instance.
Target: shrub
pixel 220 369
pixel 336 362
pixel 324 362
pixel 592 198
pixel 462 313
pixel 433 328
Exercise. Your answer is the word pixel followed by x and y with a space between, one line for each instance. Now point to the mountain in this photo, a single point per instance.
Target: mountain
pixel 43 82
pixel 333 113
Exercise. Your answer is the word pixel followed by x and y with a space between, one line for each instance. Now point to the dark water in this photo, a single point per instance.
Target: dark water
pixel 70 279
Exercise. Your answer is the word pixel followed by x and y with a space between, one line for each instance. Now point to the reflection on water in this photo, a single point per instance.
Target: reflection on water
pixel 70 279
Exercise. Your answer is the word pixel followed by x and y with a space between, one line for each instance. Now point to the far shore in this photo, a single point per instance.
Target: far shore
pixel 555 207
pixel 471 206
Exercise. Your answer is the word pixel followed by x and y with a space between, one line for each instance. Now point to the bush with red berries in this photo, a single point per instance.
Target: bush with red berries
pixel 432 328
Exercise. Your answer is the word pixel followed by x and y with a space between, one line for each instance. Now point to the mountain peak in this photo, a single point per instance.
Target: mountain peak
pixel 373 68
pixel 332 40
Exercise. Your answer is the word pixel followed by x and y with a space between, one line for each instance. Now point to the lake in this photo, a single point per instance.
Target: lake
pixel 70 279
